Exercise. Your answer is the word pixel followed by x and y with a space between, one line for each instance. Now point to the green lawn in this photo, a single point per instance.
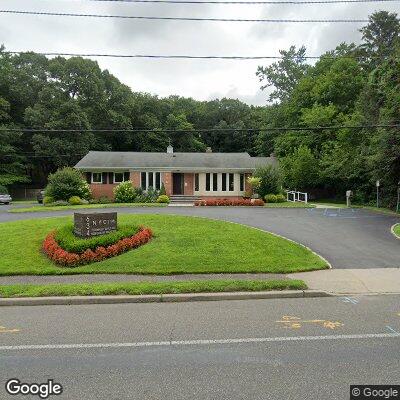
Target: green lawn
pixel 41 208
pixel 289 204
pixel 140 288
pixel 181 245
pixel 396 230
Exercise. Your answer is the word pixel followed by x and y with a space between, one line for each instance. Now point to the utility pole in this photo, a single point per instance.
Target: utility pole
pixel 377 193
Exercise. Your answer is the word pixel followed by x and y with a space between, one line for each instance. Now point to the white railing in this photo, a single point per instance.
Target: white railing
pixel 292 195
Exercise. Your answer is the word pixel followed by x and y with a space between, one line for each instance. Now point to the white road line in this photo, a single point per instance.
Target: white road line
pixel 200 342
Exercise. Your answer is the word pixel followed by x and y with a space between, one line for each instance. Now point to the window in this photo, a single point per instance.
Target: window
pixel 241 182
pixel 118 177
pixel 150 179
pixel 231 183
pixel 143 180
pixel 208 182
pixel 224 182
pixel 196 182
pixel 97 177
pixel 158 180
pixel 215 182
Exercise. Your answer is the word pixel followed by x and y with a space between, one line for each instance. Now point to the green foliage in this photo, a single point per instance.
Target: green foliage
pixel 68 241
pixel 125 192
pixel 47 200
pixel 3 190
pixel 270 179
pixel 280 198
pixel 163 199
pixel 254 182
pixel 271 198
pixel 75 200
pixel 162 190
pixel 65 183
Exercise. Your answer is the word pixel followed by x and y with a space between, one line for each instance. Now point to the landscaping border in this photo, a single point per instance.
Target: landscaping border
pixel 393 231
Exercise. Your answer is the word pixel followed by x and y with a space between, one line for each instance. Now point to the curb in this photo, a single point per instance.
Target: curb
pixel 393 232
pixel 160 298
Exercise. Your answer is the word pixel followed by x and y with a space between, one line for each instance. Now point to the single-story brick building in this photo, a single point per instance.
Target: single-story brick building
pixel 201 175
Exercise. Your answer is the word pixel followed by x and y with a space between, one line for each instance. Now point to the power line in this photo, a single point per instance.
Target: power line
pixel 247 2
pixel 141 130
pixel 184 18
pixel 190 57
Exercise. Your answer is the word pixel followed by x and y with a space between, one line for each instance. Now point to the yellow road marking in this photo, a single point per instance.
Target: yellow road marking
pixel 3 329
pixel 291 322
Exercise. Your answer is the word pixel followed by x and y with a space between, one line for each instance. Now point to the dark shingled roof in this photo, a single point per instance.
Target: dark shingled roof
pixel 109 160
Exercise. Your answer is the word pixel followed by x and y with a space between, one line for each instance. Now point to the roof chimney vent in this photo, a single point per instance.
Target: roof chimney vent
pixel 170 149
pixel 208 150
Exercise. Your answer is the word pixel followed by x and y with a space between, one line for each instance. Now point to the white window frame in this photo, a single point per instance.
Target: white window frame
pixel 123 177
pixel 101 178
pixel 154 180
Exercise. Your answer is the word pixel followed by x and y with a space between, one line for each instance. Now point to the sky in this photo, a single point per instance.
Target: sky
pixel 199 79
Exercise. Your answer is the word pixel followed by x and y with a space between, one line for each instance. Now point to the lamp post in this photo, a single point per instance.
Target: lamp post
pixel 398 197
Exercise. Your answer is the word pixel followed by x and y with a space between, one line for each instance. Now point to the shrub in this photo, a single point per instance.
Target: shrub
pixel 47 200
pixel 163 199
pixel 75 201
pixel 53 250
pixel 271 180
pixel 65 183
pixel 162 190
pixel 280 198
pixel 59 203
pixel 104 200
pixel 270 198
pixel 125 192
pixel 229 202
pixel 254 182
pixel 69 242
pixel 3 190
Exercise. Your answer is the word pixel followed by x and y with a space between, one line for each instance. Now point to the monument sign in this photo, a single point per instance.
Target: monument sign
pixel 94 224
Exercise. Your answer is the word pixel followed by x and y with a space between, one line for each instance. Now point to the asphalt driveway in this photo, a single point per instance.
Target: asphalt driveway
pixel 347 238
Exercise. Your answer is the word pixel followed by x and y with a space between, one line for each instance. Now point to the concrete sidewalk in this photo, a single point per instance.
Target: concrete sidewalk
pixel 352 281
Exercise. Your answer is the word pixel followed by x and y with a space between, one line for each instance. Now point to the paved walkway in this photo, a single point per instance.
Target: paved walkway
pixel 353 281
pixel 97 278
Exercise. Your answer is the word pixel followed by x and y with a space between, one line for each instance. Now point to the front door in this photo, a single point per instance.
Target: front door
pixel 177 186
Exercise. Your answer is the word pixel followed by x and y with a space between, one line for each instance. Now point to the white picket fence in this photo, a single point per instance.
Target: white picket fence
pixel 292 195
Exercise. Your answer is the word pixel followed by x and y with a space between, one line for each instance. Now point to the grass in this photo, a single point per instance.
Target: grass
pixel 62 208
pixel 140 288
pixel 396 230
pixel 289 204
pixel 181 245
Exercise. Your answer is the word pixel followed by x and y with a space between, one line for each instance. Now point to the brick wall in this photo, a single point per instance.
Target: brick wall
pixel 135 178
pixel 103 190
pixel 188 186
pixel 167 179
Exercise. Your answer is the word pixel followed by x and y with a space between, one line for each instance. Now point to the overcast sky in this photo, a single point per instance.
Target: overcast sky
pixel 200 79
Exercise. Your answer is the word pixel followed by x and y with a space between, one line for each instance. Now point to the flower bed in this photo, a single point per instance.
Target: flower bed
pixel 63 257
pixel 229 202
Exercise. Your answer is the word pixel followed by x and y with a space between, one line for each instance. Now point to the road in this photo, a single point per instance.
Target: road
pixel 347 238
pixel 205 350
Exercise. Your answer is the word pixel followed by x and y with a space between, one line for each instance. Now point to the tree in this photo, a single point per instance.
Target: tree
pixel 284 74
pixel 271 180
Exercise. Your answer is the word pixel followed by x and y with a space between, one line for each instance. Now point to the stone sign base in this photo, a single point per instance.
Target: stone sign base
pixel 94 224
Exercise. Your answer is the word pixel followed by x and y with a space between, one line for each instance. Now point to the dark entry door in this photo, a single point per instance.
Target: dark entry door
pixel 177 183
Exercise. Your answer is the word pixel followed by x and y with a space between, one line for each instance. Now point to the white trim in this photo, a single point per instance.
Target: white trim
pixel 101 178
pixel 154 179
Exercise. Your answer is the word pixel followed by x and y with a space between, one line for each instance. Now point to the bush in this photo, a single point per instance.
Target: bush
pixel 75 201
pixel 104 200
pixel 3 190
pixel 162 190
pixel 125 192
pixel 271 180
pixel 229 202
pixel 163 199
pixel 56 253
pixel 271 198
pixel 69 242
pixel 280 198
pixel 59 203
pixel 47 200
pixel 66 183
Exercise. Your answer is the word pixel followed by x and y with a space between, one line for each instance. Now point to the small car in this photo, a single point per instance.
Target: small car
pixel 5 199
pixel 40 196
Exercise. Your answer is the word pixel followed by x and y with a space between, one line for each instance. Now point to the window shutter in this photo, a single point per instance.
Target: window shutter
pixel 110 177
pixel 104 177
pixel 88 177
pixel 126 176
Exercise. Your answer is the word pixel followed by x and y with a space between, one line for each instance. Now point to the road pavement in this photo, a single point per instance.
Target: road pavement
pixel 347 238
pixel 255 349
